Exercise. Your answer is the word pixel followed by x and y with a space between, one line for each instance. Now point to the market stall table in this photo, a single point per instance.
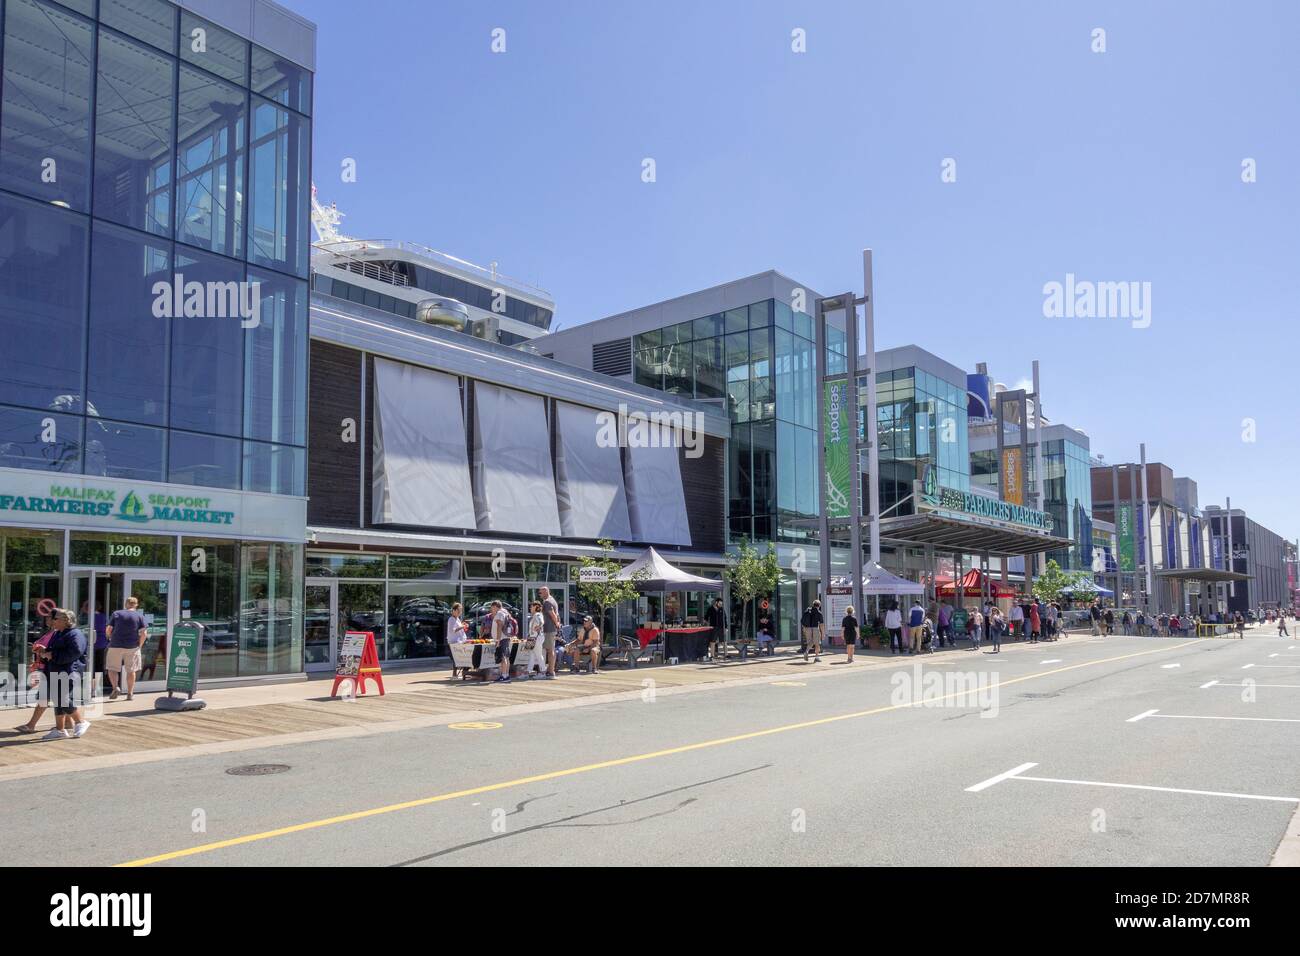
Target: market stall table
pixel 683 643
pixel 481 655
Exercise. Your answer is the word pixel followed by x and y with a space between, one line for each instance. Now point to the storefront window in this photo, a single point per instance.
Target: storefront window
pixel 321 564
pixel 210 596
pixel 423 569
pixel 417 619
pixel 270 613
pixel 361 608
pixel 478 606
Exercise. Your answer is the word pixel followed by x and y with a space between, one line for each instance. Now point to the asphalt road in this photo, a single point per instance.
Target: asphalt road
pixel 822 765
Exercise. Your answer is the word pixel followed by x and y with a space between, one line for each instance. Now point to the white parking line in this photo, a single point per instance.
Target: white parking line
pixel 1285 667
pixel 1266 720
pixel 1016 775
pixel 1167 666
pixel 1054 660
pixel 1248 683
pixel 1144 714
pixel 1247 667
pixel 1210 684
pixel 1000 777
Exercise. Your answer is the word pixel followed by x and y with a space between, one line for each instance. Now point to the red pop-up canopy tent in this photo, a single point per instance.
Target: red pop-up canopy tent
pixel 972 585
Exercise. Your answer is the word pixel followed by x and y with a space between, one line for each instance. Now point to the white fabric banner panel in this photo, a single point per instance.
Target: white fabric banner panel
pixel 421 470
pixel 514 483
pixel 589 478
pixel 656 501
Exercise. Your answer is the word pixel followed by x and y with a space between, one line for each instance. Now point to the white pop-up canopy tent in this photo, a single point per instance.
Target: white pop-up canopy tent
pixel 652 573
pixel 878 580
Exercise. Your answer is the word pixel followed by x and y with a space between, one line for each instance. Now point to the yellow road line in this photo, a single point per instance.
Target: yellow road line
pixel 602 765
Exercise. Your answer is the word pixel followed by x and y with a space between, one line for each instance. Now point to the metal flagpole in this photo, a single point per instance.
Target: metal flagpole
pixel 873 449
pixel 1149 556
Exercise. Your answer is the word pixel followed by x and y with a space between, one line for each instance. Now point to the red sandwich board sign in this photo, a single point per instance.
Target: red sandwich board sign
pixel 358 661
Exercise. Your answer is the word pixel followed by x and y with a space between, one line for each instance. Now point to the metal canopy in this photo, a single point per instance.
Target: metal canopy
pixel 1212 575
pixel 968 535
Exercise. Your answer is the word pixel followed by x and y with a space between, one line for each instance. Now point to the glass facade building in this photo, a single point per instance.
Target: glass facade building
pixel 154 246
pixel 920 420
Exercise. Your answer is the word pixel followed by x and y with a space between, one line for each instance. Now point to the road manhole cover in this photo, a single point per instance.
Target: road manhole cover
pixel 257 769
pixel 1038 696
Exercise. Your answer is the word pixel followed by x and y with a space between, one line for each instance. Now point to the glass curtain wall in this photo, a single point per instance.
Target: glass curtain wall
pixel 920 420
pixel 131 155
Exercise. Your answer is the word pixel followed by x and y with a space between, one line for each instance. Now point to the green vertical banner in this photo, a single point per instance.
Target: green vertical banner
pixel 1124 537
pixel 835 434
pixel 183 658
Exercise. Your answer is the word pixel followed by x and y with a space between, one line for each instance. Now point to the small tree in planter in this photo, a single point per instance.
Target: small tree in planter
pixel 752 575
pixel 611 591
pixel 1053 583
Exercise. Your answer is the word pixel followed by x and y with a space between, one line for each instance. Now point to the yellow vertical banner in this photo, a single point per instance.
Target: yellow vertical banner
pixel 1013 487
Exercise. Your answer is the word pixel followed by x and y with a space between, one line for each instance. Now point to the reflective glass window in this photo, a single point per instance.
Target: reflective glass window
pixel 210 163
pixel 134 105
pixel 216 50
pixel 42 296
pixel 153 21
pixel 203 460
pixel 39 440
pixel 281 80
pixel 275 469
pixel 45 137
pixel 760 314
pixel 276 361
pixel 279 181
pixel 709 369
pixel 207 391
pixel 128 342
pixel 124 450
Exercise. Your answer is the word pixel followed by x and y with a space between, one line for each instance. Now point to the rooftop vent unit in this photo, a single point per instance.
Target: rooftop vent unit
pixel 447 313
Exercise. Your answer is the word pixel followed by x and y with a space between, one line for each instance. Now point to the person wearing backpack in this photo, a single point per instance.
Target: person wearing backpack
pixel 503 633
pixel 815 632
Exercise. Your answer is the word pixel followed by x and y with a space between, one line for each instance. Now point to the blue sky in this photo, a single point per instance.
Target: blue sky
pixel 1117 166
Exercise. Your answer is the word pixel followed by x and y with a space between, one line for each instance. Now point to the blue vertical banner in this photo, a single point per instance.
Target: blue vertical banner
pixel 1172 551
pixel 1216 550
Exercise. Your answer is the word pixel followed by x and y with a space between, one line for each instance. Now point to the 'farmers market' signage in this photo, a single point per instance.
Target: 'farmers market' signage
pixel 103 502
pixel 964 502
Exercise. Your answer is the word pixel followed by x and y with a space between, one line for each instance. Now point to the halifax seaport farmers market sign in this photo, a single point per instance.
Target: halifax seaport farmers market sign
pixel 936 497
pixel 105 502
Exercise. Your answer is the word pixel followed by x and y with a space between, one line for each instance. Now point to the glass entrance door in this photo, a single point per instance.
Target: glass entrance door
pixel 156 592
pixel 320 613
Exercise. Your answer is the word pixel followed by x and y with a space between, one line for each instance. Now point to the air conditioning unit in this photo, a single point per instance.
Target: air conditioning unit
pixel 486 328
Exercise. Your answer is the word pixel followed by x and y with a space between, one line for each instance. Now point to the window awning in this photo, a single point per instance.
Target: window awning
pixel 1212 575
pixel 968 535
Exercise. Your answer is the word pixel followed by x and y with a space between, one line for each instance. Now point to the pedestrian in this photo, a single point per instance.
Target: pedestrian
pixel 718 622
pixel 1126 621
pixel 37 679
pixel 816 632
pixel 127 631
pixel 100 628
pixel 536 644
pixel 1281 626
pixel 915 620
pixel 894 625
pixel 65 667
pixel 1109 618
pixel 550 628
pixel 945 624
pixel 995 625
pixel 1141 622
pixel 850 627
pixel 1035 623
pixel 1017 618
pixel 457 633
pixel 503 637
pixel 976 628
pixel 1094 614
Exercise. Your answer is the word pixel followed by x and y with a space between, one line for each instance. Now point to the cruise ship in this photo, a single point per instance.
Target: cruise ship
pixel 422 283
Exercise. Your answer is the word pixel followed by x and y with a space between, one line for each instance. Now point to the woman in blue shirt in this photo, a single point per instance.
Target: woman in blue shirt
pixel 65 668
